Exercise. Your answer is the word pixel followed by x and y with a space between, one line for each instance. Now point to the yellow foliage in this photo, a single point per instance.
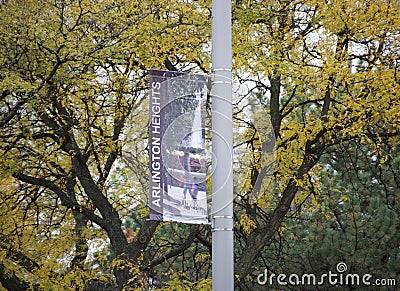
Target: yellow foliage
pixel 179 282
pixel 202 257
pixel 247 223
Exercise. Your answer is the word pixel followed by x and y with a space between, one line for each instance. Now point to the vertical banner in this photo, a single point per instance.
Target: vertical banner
pixel 177 147
pixel 156 166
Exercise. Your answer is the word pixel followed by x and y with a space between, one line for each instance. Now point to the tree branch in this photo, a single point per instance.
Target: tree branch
pixel 16 255
pixel 65 200
pixel 262 236
pixel 276 117
pixel 12 282
pixel 192 236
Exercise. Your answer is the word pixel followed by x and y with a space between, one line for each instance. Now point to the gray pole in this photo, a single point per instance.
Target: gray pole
pixel 222 179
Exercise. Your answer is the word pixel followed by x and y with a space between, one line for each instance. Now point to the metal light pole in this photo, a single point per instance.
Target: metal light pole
pixel 222 179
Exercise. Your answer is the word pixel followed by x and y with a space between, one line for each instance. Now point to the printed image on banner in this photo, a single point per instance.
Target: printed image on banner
pixel 177 147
